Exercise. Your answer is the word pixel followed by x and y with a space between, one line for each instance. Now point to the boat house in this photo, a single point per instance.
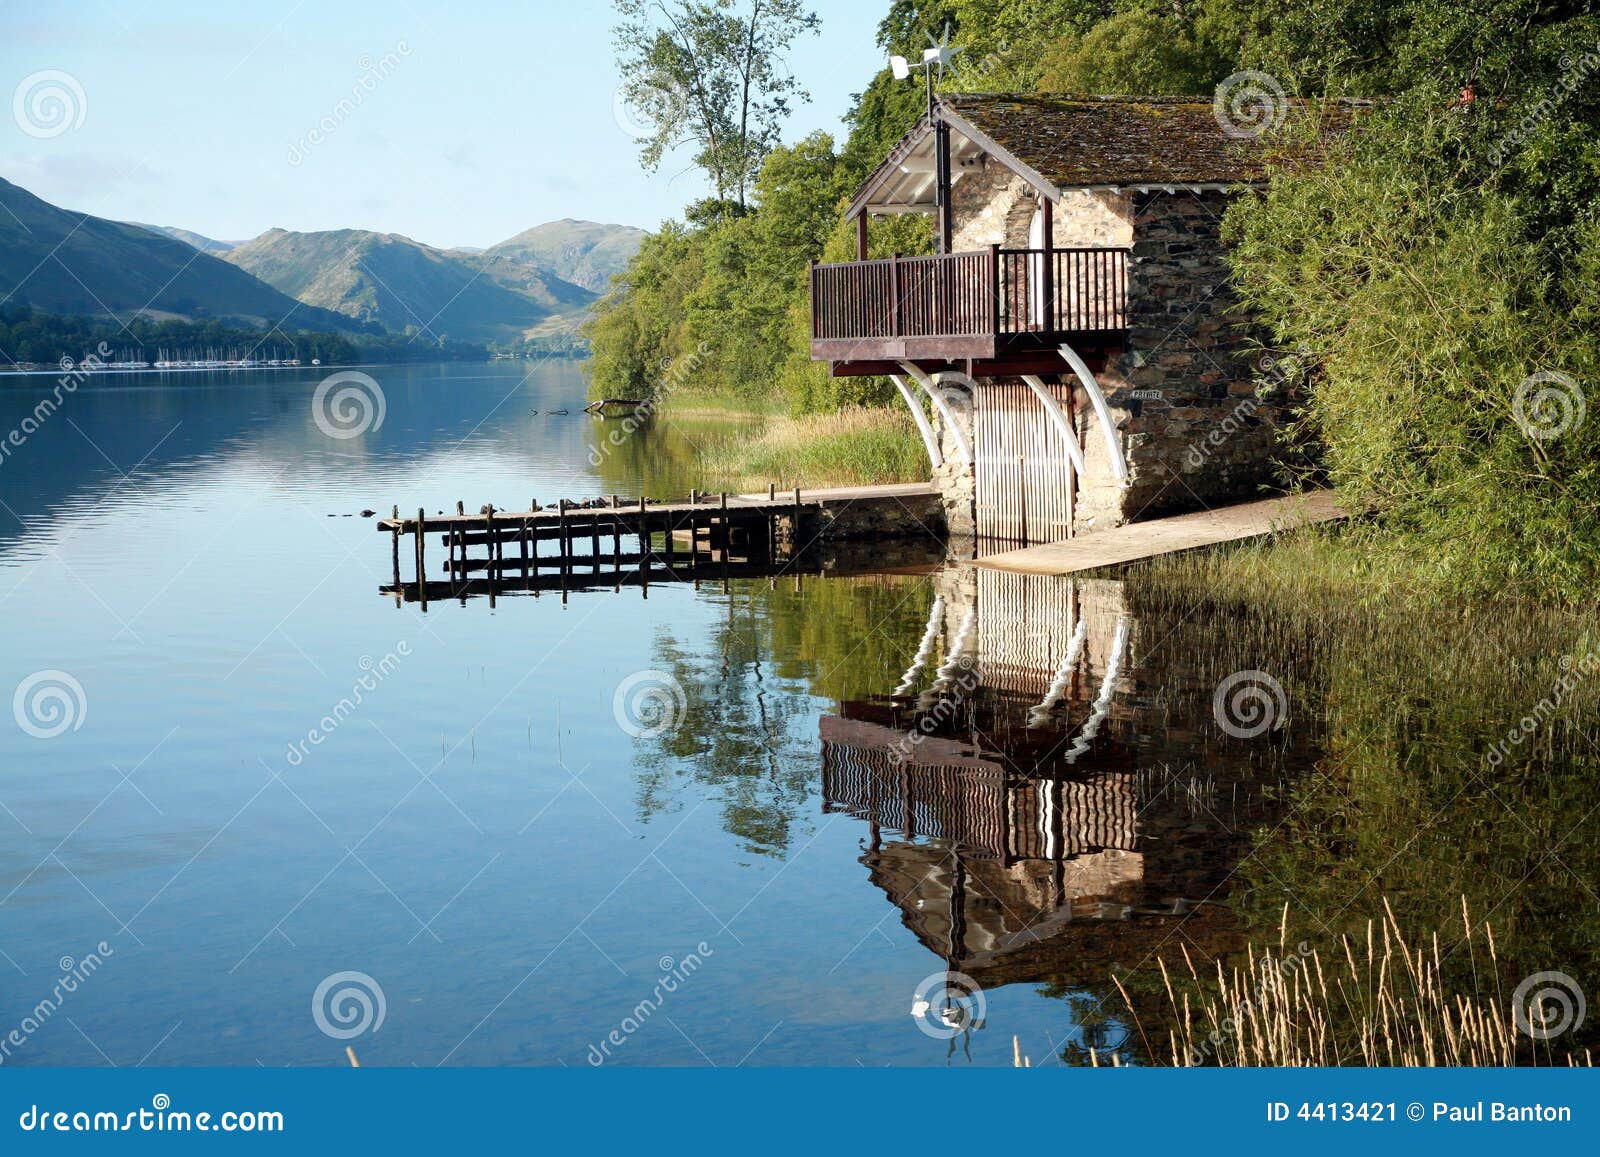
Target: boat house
pixel 1075 334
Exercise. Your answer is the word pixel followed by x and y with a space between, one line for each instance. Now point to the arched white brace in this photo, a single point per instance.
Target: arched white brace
pixel 1119 466
pixel 929 439
pixel 1102 702
pixel 1069 436
pixel 1038 716
pixel 945 412
pixel 946 671
pixel 929 638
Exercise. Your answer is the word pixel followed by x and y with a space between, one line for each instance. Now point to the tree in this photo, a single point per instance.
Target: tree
pixel 710 73
pixel 1136 51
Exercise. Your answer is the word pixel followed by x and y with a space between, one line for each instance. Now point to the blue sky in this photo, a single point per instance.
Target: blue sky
pixel 490 117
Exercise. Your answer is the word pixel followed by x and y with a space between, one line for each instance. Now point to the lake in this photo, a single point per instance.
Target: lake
pixel 253 812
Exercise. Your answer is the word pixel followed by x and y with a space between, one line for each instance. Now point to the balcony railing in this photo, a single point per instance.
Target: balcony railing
pixel 989 293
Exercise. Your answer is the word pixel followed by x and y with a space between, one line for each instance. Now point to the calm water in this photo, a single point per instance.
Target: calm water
pixel 690 824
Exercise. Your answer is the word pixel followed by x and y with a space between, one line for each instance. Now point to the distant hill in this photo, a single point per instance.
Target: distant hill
pixel 198 240
pixel 405 285
pixel 583 252
pixel 64 262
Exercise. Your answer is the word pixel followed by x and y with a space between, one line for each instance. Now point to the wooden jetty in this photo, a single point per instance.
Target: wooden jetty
pixel 616 543
pixel 1142 540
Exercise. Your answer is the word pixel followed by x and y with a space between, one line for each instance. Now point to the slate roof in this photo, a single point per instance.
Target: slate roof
pixel 1077 141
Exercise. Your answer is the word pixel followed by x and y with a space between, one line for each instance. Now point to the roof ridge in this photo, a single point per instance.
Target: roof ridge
pixel 1134 98
pixel 1110 98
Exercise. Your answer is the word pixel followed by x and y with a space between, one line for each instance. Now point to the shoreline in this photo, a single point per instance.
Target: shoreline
pixel 153 372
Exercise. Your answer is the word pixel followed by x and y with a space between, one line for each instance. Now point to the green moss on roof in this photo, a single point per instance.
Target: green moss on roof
pixel 1128 140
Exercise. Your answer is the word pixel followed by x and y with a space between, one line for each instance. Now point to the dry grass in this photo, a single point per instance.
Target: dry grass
pixel 1381 1002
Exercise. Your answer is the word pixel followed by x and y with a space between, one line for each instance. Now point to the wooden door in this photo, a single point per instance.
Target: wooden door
pixel 1023 478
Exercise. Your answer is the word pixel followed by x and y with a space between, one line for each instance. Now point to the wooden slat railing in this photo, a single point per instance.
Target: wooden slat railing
pixel 1091 291
pixel 998 291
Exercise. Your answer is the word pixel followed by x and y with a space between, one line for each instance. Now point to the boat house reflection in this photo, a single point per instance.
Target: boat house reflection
pixel 1034 806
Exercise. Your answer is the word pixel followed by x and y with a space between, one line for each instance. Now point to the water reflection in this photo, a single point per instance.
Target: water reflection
pixel 1071 813
pixel 516 426
pixel 1033 816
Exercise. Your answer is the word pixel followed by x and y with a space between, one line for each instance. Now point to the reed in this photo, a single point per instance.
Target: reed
pixel 854 446
pixel 1381 999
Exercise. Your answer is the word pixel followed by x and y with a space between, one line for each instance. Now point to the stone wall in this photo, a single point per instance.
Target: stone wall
pixel 1093 219
pixel 879 518
pixel 1184 394
pixel 954 477
pixel 991 205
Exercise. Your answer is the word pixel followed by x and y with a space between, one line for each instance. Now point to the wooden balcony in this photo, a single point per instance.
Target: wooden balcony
pixel 984 306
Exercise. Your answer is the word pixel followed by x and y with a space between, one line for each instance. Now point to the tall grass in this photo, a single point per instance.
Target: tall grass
pixel 854 446
pixel 1377 1000
pixel 1455 769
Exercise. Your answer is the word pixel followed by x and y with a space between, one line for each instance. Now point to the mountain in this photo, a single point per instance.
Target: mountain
pixel 583 252
pixel 65 262
pixel 198 240
pixel 405 286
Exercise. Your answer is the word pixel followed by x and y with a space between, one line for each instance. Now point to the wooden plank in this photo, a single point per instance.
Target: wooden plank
pixel 587 561
pixel 1141 540
pixel 1023 476
pixel 1019 354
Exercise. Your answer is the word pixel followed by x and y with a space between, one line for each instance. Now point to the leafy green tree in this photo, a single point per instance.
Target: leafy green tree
pixel 710 73
pixel 1138 51
pixel 1438 267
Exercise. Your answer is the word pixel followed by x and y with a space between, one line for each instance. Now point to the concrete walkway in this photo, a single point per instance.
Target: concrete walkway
pixel 1141 540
